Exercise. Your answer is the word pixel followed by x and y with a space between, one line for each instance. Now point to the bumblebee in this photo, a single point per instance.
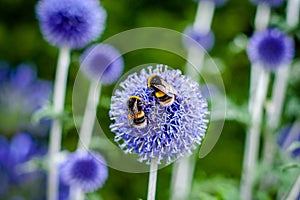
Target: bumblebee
pixel 165 92
pixel 136 115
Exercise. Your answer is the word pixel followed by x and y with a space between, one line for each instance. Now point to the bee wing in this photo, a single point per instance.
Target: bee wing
pixel 166 88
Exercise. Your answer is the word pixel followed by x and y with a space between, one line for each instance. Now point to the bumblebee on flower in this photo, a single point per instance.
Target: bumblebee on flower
pixel 169 108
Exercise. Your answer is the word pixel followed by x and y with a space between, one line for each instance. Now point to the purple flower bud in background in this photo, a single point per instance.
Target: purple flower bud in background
pixel 171 131
pixel 286 137
pixel 71 23
pixel 271 3
pixel 102 62
pixel 271 49
pixel 206 40
pixel 216 2
pixel 85 170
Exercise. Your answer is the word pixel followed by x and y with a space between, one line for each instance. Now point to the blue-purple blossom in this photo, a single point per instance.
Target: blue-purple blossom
pixel 22 93
pixel 286 137
pixel 71 23
pixel 102 62
pixel 216 2
pixel 14 156
pixel 85 170
pixel 271 49
pixel 171 131
pixel 272 3
pixel 21 148
pixel 206 40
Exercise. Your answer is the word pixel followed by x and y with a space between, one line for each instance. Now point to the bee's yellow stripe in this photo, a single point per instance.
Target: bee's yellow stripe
pixel 140 114
pixel 135 97
pixel 159 94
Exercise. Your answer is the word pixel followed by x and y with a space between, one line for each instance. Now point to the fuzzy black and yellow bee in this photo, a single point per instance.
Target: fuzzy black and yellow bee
pixel 164 91
pixel 136 115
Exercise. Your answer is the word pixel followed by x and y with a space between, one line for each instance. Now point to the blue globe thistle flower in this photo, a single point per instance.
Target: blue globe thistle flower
pixel 22 93
pixel 72 23
pixel 271 3
pixel 271 49
pixel 171 131
pixel 286 138
pixel 102 62
pixel 206 40
pixel 216 2
pixel 85 170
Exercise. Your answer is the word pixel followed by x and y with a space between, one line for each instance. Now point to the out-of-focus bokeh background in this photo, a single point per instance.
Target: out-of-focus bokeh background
pixel 21 42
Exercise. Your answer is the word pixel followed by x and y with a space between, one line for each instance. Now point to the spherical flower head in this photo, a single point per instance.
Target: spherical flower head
pixel 206 40
pixel 171 131
pixel 85 170
pixel 72 23
pixel 271 3
pixel 216 2
pixel 286 137
pixel 22 93
pixel 102 62
pixel 271 49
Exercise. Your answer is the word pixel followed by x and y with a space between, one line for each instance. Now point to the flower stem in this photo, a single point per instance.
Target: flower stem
pixel 195 63
pixel 87 126
pixel 262 16
pixel 274 112
pixel 292 12
pixel 56 127
pixel 76 193
pixel 182 177
pixel 253 137
pixel 89 116
pixel 295 191
pixel 204 16
pixel 152 180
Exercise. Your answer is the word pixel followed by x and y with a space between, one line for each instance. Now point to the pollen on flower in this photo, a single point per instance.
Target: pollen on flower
pixel 171 131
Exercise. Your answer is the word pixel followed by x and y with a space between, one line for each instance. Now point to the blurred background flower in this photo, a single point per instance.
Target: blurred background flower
pixel 15 170
pixel 71 23
pixel 271 49
pixel 85 170
pixel 288 139
pixel 22 93
pixel 206 40
pixel 102 62
pixel 272 3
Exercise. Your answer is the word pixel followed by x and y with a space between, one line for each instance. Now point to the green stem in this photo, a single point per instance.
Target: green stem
pixel 89 116
pixel 253 138
pixel 295 191
pixel 56 127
